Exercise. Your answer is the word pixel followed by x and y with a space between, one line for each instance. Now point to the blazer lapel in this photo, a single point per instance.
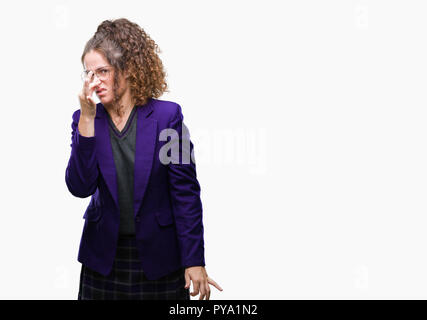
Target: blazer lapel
pixel 144 152
pixel 105 152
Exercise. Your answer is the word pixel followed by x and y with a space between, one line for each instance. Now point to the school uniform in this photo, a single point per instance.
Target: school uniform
pixel 143 225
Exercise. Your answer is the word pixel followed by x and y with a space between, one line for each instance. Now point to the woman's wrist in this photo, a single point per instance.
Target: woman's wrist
pixel 85 117
pixel 86 125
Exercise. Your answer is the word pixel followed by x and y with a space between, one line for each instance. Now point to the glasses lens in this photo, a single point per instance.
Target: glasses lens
pixel 86 74
pixel 103 74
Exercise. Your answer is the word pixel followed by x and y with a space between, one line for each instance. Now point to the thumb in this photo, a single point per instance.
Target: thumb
pixel 187 281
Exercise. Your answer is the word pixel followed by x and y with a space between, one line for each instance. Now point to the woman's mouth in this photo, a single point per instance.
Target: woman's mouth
pixel 100 92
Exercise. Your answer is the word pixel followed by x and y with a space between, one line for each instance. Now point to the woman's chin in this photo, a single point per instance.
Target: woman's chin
pixel 104 100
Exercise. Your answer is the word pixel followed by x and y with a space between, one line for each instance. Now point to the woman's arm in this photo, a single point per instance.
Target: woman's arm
pixel 185 194
pixel 187 208
pixel 81 175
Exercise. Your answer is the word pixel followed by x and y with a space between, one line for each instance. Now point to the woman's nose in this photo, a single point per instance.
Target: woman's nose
pixel 97 81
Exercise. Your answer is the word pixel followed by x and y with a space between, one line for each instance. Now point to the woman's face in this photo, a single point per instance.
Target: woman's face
pixel 95 61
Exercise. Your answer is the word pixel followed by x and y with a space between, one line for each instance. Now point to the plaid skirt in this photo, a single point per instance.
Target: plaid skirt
pixel 127 281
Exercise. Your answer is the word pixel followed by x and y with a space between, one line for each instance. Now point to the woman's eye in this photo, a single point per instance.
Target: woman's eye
pixel 103 71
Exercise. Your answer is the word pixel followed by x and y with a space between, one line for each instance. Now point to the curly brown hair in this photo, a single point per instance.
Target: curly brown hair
pixel 127 47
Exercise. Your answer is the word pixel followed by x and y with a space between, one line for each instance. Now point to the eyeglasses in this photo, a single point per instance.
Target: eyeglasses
pixel 102 74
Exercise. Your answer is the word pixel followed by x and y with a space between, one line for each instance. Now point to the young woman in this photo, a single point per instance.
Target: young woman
pixel 143 231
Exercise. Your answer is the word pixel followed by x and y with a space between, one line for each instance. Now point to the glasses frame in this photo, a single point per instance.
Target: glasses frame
pixel 85 73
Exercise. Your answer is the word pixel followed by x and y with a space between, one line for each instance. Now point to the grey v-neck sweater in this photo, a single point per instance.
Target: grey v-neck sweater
pixel 123 145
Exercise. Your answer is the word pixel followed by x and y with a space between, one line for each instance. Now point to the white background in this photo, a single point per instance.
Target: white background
pixel 308 121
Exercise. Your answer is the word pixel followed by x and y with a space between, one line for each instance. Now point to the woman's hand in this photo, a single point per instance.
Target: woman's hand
pixel 200 280
pixel 87 105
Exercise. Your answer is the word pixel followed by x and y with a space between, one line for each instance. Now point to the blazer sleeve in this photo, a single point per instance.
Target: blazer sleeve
pixel 81 174
pixel 185 195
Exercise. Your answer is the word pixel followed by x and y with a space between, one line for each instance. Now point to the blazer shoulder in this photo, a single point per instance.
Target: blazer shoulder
pixel 167 109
